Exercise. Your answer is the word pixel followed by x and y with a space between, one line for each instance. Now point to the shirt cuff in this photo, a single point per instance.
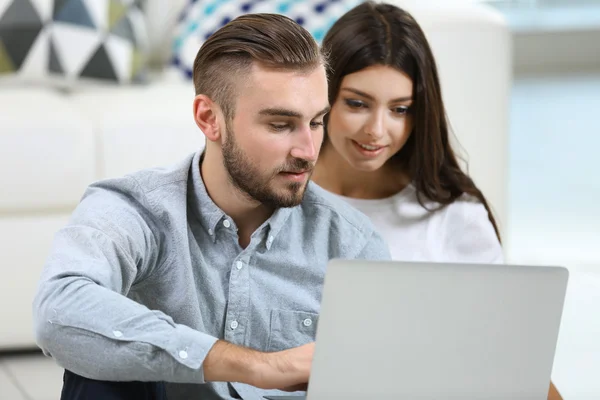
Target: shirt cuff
pixel 189 348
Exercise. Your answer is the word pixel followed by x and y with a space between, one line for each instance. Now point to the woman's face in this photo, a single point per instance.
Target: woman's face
pixel 369 121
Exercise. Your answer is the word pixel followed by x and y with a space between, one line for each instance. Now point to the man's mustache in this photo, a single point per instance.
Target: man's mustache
pixel 297 165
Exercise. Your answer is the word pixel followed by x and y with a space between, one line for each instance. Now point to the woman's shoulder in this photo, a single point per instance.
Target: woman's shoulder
pixel 466 210
pixel 460 231
pixel 469 235
pixel 412 206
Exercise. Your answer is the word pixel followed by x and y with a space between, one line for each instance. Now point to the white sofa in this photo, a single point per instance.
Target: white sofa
pixel 53 144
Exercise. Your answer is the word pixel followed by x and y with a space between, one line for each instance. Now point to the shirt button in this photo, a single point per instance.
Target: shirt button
pixel 239 265
pixel 307 322
pixel 210 231
pixel 270 240
pixel 226 223
pixel 234 324
pixel 117 333
pixel 183 354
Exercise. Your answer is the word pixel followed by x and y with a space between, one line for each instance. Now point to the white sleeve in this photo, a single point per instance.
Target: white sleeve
pixel 470 236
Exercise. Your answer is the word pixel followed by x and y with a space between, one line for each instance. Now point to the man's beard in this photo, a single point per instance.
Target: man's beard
pixel 256 184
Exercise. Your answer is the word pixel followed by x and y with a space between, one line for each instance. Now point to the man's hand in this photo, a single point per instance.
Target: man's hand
pixel 284 370
pixel 287 370
pixel 553 393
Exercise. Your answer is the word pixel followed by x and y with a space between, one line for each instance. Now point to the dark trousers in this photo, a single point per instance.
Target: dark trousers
pixel 77 387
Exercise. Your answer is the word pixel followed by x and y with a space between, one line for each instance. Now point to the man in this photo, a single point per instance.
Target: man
pixel 207 276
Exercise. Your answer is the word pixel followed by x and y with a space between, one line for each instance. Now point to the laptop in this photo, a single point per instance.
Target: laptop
pixel 418 330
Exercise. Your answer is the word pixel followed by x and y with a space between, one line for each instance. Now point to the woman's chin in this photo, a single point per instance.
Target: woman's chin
pixel 367 165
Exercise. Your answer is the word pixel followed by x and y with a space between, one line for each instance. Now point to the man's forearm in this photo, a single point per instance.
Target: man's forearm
pixel 227 362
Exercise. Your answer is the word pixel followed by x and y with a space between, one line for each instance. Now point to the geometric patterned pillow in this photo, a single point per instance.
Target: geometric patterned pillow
pixel 201 18
pixel 69 41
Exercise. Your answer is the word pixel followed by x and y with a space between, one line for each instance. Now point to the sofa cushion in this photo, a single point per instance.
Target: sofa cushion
pixel 67 42
pixel 161 18
pixel 46 151
pixel 201 18
pixel 141 127
pixel 26 242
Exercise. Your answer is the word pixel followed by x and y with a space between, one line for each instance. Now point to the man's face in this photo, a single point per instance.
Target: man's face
pixel 272 143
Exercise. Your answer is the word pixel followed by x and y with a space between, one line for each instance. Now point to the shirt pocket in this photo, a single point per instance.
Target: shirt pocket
pixel 290 329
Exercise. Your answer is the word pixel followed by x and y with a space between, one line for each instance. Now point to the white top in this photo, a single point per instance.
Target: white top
pixel 459 232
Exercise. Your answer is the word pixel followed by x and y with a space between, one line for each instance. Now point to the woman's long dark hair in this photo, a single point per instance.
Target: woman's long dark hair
pixel 382 34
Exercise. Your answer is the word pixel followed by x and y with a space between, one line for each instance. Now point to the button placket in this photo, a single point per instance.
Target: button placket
pixel 235 328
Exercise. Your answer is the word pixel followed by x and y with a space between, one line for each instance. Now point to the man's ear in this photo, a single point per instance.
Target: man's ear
pixel 207 117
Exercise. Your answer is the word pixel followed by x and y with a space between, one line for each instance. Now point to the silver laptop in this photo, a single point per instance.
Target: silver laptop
pixel 408 330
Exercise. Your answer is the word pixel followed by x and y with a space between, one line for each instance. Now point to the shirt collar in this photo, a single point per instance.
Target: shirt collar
pixel 275 223
pixel 205 209
pixel 210 215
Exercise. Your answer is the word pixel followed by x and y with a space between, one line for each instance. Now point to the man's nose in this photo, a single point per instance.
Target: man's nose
pixel 305 146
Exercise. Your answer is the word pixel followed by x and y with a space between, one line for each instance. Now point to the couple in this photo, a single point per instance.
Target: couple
pixel 202 280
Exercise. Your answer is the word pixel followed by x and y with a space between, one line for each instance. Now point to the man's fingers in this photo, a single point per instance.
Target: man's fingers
pixel 296 388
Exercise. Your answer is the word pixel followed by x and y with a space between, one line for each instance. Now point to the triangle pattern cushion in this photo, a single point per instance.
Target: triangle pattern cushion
pixel 43 7
pixel 4 5
pixel 98 10
pixel 100 66
pixel 68 42
pixel 75 46
pixel 37 56
pixel 6 64
pixel 74 12
pixel 20 14
pixel 54 64
pixel 120 53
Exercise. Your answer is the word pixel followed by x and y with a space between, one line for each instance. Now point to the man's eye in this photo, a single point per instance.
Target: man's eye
pixel 316 124
pixel 279 127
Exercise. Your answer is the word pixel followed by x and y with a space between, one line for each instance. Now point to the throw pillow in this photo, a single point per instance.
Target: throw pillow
pixel 201 18
pixel 69 41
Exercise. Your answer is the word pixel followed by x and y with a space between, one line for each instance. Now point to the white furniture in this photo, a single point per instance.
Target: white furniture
pixel 53 144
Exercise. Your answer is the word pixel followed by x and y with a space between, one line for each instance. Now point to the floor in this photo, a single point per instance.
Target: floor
pixel 29 377
pixel 554 144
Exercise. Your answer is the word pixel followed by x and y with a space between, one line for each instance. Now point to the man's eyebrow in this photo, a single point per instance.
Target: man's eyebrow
pixel 280 112
pixel 368 96
pixel 284 112
pixel 323 111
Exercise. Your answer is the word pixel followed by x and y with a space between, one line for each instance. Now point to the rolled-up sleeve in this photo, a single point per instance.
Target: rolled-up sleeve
pixel 82 315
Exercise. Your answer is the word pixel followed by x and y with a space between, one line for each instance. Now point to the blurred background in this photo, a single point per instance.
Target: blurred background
pixel 91 89
pixel 553 134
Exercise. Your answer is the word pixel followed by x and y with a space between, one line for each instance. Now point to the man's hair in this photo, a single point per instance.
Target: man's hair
pixel 272 40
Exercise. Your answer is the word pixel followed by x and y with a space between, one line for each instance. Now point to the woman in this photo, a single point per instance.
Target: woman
pixel 387 149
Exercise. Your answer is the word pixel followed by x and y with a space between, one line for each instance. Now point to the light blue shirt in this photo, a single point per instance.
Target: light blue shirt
pixel 148 273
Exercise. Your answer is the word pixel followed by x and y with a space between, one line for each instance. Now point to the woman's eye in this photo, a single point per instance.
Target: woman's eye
pixel 355 103
pixel 400 110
